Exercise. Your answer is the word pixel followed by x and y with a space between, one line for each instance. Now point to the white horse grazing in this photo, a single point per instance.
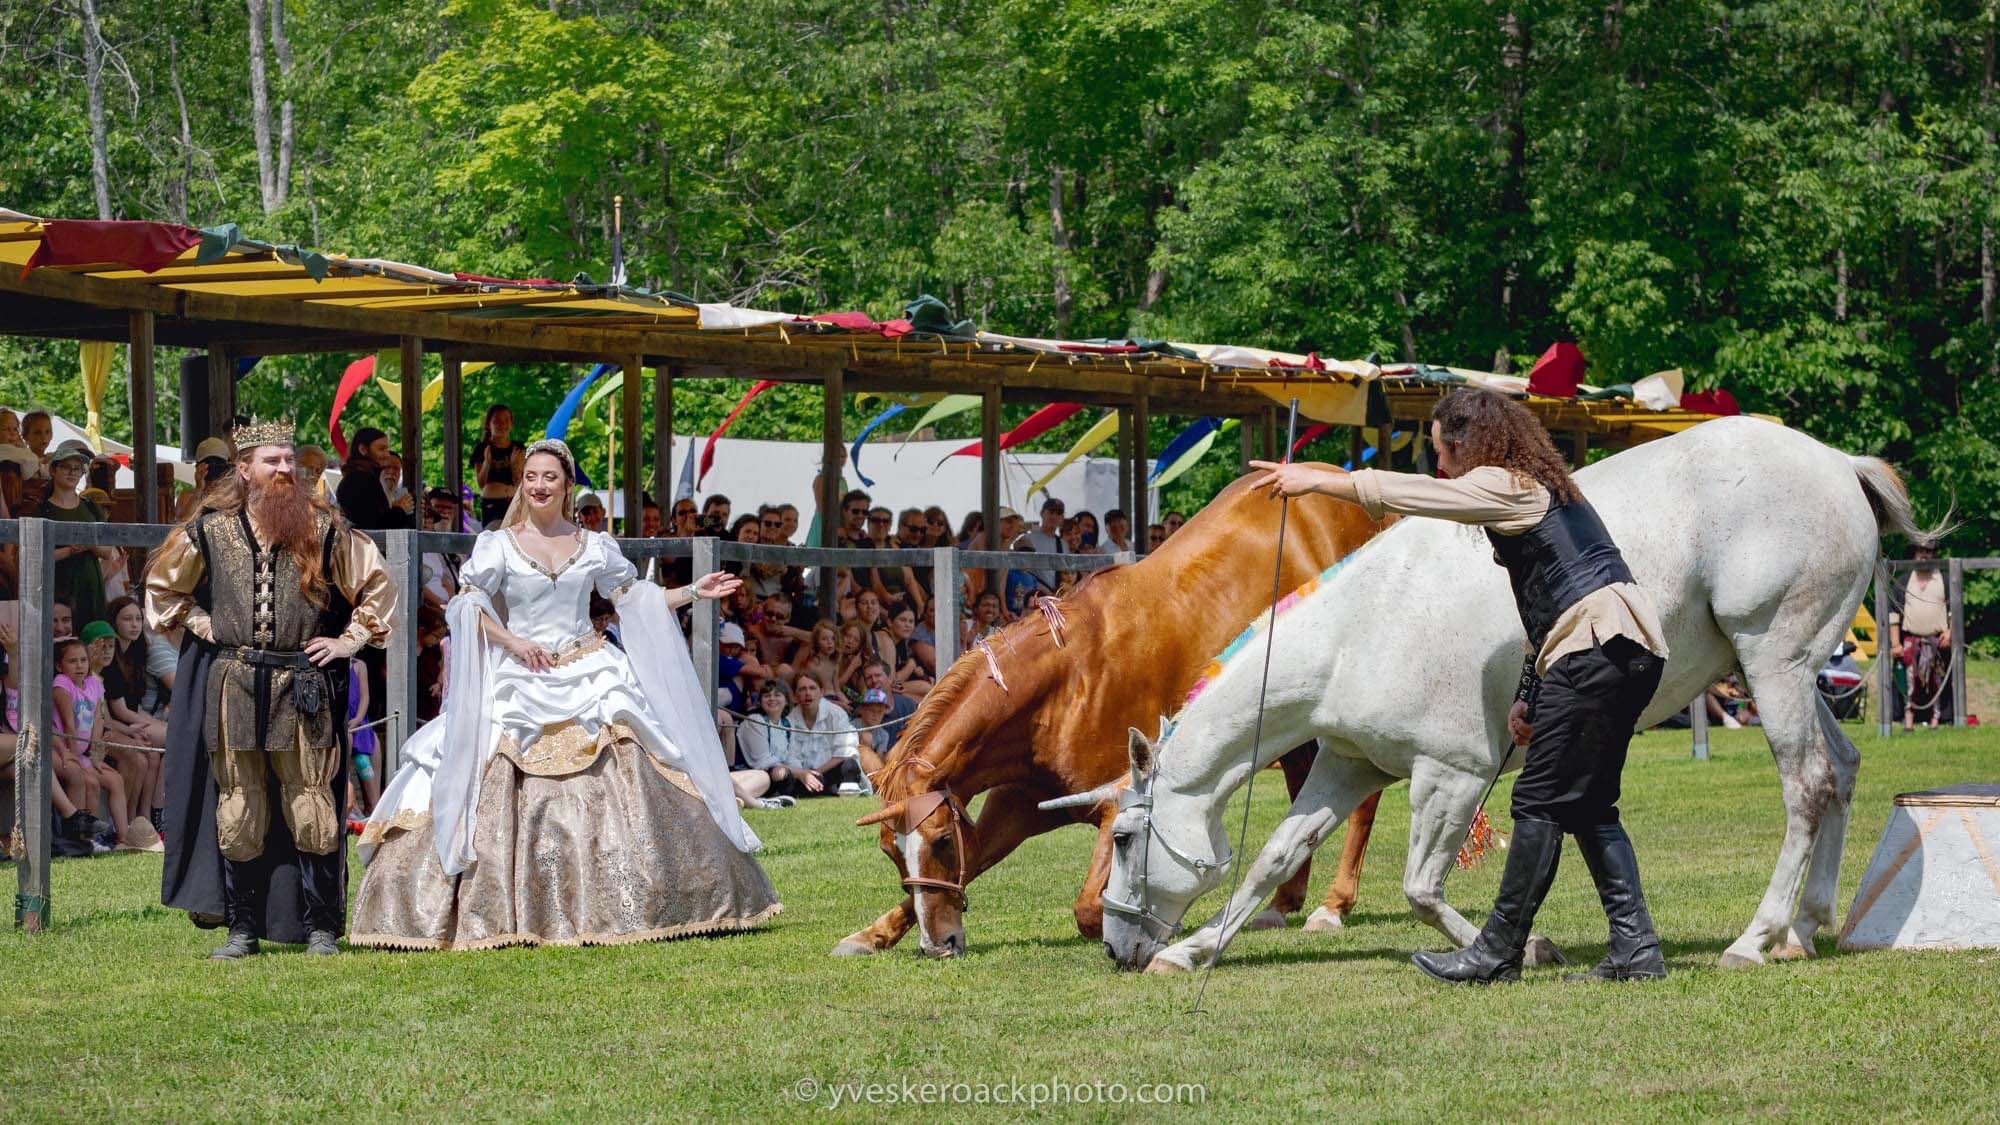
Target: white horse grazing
pixel 1755 540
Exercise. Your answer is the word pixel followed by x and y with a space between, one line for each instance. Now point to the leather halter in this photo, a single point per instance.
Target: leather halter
pixel 1135 798
pixel 918 809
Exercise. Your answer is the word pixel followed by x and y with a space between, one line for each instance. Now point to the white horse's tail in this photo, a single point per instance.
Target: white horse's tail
pixel 1891 501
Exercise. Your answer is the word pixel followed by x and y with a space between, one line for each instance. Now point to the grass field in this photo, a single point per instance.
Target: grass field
pixel 114 1014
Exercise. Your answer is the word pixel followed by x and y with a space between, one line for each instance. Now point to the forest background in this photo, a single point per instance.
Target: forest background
pixel 1792 199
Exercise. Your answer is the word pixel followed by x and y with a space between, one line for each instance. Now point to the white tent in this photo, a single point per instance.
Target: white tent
pixel 64 430
pixel 1934 882
pixel 906 476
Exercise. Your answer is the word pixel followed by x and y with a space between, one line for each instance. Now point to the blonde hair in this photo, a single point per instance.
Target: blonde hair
pixel 517 509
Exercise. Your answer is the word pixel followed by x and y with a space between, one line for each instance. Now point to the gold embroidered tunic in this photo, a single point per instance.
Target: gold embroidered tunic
pixel 267 708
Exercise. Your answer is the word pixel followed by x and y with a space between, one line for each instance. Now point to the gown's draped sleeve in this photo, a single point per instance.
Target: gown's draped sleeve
pixel 171 578
pixel 468 719
pixel 617 571
pixel 659 656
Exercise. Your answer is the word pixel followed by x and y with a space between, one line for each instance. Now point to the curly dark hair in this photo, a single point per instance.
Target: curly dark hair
pixel 1485 428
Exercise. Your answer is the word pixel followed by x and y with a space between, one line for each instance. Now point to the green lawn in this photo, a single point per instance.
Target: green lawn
pixel 115 1015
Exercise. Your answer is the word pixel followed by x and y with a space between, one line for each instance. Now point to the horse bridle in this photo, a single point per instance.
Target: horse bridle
pixel 1136 798
pixel 919 809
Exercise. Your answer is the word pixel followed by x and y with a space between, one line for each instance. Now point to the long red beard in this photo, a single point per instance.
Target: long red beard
pixel 282 514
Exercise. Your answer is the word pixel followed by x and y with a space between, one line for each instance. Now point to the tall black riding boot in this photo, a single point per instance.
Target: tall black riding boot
pixel 1633 952
pixel 1496 954
pixel 243 905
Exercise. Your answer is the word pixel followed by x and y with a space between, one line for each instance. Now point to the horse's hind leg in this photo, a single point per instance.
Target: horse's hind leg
pixel 1816 903
pixel 1331 915
pixel 1816 783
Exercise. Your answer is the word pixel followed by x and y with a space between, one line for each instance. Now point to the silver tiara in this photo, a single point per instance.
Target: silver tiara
pixel 552 445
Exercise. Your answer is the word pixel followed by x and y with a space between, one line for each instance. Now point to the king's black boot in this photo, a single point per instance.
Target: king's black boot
pixel 1633 952
pixel 1495 955
pixel 244 906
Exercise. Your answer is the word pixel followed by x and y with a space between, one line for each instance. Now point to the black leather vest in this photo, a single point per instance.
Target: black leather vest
pixel 1557 563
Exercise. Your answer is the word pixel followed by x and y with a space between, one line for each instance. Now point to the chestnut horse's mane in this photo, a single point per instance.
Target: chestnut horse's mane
pixel 946 696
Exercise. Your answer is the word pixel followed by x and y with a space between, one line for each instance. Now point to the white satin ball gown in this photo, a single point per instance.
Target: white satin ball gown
pixel 588 804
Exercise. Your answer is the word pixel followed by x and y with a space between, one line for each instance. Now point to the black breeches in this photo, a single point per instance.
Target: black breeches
pixel 1583 721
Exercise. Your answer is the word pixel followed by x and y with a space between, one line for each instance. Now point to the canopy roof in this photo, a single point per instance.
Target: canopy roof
pixel 216 287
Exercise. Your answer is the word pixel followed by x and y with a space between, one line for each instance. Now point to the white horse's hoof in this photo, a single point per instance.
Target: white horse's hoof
pixel 853 947
pixel 1324 921
pixel 1542 951
pixel 1164 965
pixel 1735 960
pixel 1269 918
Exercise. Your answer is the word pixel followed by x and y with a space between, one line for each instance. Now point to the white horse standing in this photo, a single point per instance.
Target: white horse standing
pixel 1756 541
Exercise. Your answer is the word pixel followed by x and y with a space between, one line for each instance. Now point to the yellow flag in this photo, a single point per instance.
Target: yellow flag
pixel 95 357
pixel 1097 435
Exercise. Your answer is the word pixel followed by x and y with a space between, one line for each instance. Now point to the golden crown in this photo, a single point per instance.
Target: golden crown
pixel 261 433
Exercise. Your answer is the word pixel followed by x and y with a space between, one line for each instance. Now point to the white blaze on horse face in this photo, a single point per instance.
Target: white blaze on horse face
pixel 909 844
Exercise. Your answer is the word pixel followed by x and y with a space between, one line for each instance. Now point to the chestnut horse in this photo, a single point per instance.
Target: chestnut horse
pixel 1046 715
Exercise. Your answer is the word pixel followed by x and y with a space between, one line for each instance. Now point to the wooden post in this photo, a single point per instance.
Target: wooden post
pixel 663 435
pixel 944 592
pixel 404 560
pixel 1141 510
pixel 989 477
pixel 1420 449
pixel 221 419
pixel 1249 436
pixel 830 453
pixel 1580 449
pixel 1125 464
pixel 1885 676
pixel 37 672
pixel 1955 593
pixel 454 441
pixel 413 438
pixel 1698 725
pixel 1356 442
pixel 145 459
pixel 708 622
pixel 635 370
pixel 1268 420
pixel 1383 435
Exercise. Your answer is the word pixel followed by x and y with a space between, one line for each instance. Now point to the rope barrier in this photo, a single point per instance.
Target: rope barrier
pixel 111 744
pixel 766 723
pixel 1944 682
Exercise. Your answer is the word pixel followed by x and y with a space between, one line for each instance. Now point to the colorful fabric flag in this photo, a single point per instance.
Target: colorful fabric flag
pixel 82 242
pixel 1312 434
pixel 1185 440
pixel 558 426
pixel 95 359
pixel 351 379
pixel 854 453
pixel 942 408
pixel 1097 435
pixel 708 449
pixel 1558 372
pixel 1036 424
pixel 1194 454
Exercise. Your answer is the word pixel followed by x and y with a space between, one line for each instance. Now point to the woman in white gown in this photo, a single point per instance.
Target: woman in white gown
pixel 569 793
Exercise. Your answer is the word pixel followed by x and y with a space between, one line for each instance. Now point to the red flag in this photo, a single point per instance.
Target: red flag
pixel 1037 424
pixel 1717 401
pixel 708 449
pixel 135 245
pixel 1558 373
pixel 1311 435
pixel 351 379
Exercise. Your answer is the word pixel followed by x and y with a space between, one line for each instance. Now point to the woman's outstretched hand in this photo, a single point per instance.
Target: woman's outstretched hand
pixel 717 584
pixel 1297 479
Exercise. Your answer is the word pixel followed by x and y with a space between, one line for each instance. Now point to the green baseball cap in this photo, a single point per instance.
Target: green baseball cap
pixel 97 630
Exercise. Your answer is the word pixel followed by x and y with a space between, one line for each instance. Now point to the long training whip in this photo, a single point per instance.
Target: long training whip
pixel 1263 687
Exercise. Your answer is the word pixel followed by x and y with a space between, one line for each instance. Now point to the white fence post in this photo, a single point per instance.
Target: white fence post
pixel 36 673
pixel 406 575
pixel 707 623
pixel 945 607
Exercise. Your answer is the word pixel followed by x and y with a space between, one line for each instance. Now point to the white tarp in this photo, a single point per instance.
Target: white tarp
pixel 781 472
pixel 63 430
pixel 1934 882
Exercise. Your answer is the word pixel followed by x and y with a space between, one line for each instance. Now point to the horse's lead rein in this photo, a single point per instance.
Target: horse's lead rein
pixel 1263 686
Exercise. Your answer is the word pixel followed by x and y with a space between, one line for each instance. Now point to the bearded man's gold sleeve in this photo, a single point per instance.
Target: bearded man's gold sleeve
pixel 360 574
pixel 171 579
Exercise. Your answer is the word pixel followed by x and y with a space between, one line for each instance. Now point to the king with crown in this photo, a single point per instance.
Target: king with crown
pixel 274 593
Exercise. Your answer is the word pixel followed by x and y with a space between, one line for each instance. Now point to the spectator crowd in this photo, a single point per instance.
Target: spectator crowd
pixel 810 698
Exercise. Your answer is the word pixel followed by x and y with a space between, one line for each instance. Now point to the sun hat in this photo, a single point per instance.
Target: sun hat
pixel 97 631
pixel 732 634
pixel 212 448
pixel 22 458
pixel 589 500
pixel 1006 513
pixel 75 449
